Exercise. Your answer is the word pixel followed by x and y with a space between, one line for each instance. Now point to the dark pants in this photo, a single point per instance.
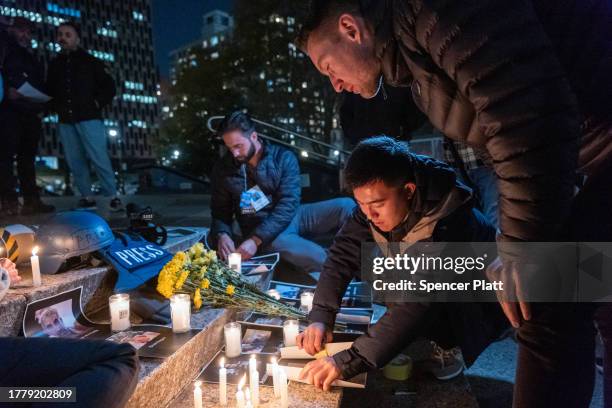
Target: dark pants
pixel 19 135
pixel 104 373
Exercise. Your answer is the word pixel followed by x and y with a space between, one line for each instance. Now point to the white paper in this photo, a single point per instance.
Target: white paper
pixel 293 374
pixel 32 93
pixel 332 348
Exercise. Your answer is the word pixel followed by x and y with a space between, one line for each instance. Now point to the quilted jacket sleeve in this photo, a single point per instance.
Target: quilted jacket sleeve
pixel 502 61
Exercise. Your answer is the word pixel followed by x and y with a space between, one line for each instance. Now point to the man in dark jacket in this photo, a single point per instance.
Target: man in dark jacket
pixel 259 184
pixel 21 124
pixel 406 198
pixel 81 88
pixel 519 79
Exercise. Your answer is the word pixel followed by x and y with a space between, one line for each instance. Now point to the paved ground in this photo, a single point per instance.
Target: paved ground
pixel 491 377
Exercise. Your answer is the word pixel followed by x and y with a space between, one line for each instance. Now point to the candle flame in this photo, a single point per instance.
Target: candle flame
pixel 197 384
pixel 241 383
pixel 252 356
pixel 222 363
pixel 34 251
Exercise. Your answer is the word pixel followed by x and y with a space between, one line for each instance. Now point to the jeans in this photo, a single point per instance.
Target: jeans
pixel 104 373
pixel 20 134
pixel 485 180
pixel 311 220
pixel 84 142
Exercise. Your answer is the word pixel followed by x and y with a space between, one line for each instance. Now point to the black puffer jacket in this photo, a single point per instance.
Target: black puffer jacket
pixel 278 176
pixel 440 211
pixel 80 86
pixel 517 77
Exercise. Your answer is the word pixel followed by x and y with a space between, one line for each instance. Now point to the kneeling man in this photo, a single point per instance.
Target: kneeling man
pixel 258 183
pixel 407 198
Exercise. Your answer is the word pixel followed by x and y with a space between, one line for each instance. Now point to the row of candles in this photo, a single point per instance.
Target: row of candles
pixel 180 310
pixel 249 397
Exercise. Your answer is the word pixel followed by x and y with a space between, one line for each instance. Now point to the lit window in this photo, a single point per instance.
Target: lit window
pixel 214 55
pixel 138 16
pixel 214 40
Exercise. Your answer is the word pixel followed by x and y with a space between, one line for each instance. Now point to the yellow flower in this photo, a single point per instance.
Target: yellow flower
pixel 181 280
pixel 230 290
pixel 197 299
pixel 169 274
pixel 205 284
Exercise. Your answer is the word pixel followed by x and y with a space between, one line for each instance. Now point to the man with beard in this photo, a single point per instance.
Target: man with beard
pixel 258 183
pixel 529 82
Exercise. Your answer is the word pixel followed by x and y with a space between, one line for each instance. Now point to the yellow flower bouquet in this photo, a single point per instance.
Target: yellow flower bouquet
pixel 210 282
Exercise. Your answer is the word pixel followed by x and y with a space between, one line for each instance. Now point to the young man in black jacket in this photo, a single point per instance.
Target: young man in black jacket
pixel 258 184
pixel 20 118
pixel 401 197
pixel 81 88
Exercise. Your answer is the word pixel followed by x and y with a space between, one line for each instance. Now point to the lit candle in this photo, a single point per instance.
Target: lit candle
pixel 248 398
pixel 36 280
pixel 240 394
pixel 284 391
pixel 306 301
pixel 197 394
pixel 233 344
pixel 254 380
pixel 180 309
pixel 275 379
pixel 223 383
pixel 291 329
pixel 120 311
pixel 273 293
pixel 234 261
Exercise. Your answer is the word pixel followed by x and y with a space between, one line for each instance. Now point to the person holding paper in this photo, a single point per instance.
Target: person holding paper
pixel 401 197
pixel 81 87
pixel 258 184
pixel 21 123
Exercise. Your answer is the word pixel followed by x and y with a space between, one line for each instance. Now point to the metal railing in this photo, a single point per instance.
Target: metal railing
pixel 306 147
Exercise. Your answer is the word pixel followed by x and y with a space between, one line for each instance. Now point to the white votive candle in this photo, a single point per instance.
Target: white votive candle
pixel 306 301
pixel 284 388
pixel 34 261
pixel 240 394
pixel 197 394
pixel 234 261
pixel 273 293
pixel 233 334
pixel 254 381
pixel 120 311
pixel 291 329
pixel 222 383
pixel 275 379
pixel 180 308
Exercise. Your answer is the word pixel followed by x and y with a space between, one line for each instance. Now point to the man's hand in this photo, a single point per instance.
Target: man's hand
pixel 321 373
pixel 513 288
pixel 313 338
pixel 7 264
pixel 248 249
pixel 13 94
pixel 225 246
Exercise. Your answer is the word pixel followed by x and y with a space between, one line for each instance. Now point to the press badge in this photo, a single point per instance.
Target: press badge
pixel 253 200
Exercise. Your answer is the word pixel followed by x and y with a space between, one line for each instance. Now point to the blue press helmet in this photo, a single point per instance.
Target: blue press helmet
pixel 70 234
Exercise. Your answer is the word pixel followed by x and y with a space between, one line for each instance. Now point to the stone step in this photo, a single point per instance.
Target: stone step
pixel 97 286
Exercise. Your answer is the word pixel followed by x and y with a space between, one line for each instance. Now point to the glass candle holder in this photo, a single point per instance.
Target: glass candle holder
pixel 119 305
pixel 233 339
pixel 291 328
pixel 180 309
pixel 306 299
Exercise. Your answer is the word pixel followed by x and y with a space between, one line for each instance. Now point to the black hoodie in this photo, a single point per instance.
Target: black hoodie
pixel 441 210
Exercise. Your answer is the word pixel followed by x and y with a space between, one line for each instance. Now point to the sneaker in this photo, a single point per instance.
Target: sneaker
pixel 444 364
pixel 87 204
pixel 115 205
pixel 36 207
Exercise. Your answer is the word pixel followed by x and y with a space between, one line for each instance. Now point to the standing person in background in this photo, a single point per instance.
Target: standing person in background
pixel 81 87
pixel 21 122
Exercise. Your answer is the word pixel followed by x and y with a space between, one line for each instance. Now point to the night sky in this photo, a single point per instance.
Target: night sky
pixel 176 23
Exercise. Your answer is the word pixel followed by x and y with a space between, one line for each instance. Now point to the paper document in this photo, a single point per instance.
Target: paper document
pixel 330 349
pixel 32 93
